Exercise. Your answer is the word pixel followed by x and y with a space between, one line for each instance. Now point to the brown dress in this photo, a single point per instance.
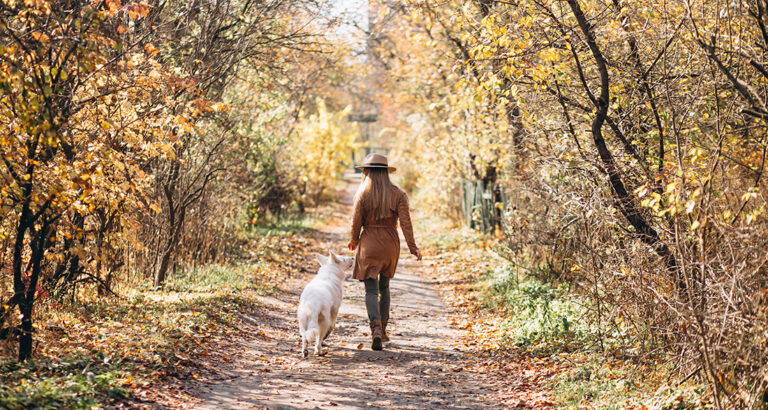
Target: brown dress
pixel 379 245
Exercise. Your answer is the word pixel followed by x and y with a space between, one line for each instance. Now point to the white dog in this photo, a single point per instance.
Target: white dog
pixel 321 300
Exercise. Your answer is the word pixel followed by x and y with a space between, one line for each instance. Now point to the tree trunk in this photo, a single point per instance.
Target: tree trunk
pixel 25 339
pixel 170 247
pixel 38 242
pixel 19 296
pixel 624 201
pixel 169 189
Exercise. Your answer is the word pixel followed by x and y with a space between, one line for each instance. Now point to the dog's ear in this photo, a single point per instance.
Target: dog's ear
pixel 322 259
pixel 333 258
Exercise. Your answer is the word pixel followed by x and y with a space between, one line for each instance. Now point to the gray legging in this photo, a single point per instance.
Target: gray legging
pixel 378 307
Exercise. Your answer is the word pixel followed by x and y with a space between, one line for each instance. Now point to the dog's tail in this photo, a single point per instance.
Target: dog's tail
pixel 308 323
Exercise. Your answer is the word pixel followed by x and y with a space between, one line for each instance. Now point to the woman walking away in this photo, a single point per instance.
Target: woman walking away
pixel 378 206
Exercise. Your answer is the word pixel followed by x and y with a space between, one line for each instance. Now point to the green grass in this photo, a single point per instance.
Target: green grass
pixel 75 385
pixel 541 317
pixel 437 234
pixel 293 223
pixel 614 385
pixel 214 277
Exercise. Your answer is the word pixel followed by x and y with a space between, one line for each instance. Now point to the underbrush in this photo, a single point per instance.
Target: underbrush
pixel 508 311
pixel 602 383
pixel 547 320
pixel 96 352
pixel 540 316
pixel 68 383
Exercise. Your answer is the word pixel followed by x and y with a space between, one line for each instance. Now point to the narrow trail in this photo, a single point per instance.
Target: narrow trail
pixel 420 368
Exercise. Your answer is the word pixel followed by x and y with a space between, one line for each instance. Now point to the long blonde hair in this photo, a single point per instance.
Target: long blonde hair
pixel 376 192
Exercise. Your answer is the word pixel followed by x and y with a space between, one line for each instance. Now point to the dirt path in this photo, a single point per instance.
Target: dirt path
pixel 420 368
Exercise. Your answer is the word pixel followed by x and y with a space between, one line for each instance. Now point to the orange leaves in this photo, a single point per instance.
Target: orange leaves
pixel 133 11
pixel 155 207
pixel 137 10
pixel 201 106
pixel 150 49
pixel 41 37
pixel 113 6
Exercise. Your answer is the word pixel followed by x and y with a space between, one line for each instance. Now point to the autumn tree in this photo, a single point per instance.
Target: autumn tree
pixel 642 145
pixel 62 152
pixel 119 151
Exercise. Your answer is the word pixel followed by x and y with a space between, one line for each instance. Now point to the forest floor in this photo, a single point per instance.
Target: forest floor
pixel 430 363
pixel 468 331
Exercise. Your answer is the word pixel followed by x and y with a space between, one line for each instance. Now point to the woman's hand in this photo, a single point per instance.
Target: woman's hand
pixel 351 246
pixel 417 254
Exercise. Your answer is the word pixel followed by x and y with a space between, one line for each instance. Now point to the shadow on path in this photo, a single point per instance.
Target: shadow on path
pixel 419 369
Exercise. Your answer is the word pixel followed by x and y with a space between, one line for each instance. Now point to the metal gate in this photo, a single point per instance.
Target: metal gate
pixel 482 210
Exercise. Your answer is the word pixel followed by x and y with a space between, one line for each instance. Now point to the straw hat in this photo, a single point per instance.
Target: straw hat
pixel 375 161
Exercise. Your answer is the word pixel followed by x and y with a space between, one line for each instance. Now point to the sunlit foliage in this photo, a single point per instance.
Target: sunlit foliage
pixel 630 136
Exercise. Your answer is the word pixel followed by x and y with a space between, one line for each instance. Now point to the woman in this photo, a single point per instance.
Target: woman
pixel 378 206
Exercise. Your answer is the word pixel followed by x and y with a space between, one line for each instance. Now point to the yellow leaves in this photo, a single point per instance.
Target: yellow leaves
pixel 549 55
pixel 153 206
pixel 749 195
pixel 697 154
pixel 481 51
pixel 167 150
pixel 695 225
pixel 652 202
pixel 461 83
pixel 488 23
pixel 326 139
pixel 696 193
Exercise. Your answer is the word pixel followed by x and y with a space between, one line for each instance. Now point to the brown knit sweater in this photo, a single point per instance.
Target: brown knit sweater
pixel 379 245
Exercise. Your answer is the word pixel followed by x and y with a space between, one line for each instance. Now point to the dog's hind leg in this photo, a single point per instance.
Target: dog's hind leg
pixel 318 345
pixel 327 333
pixel 330 329
pixel 303 334
pixel 322 331
pixel 334 313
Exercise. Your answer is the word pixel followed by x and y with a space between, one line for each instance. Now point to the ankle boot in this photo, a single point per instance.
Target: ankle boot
pixel 376 334
pixel 384 335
